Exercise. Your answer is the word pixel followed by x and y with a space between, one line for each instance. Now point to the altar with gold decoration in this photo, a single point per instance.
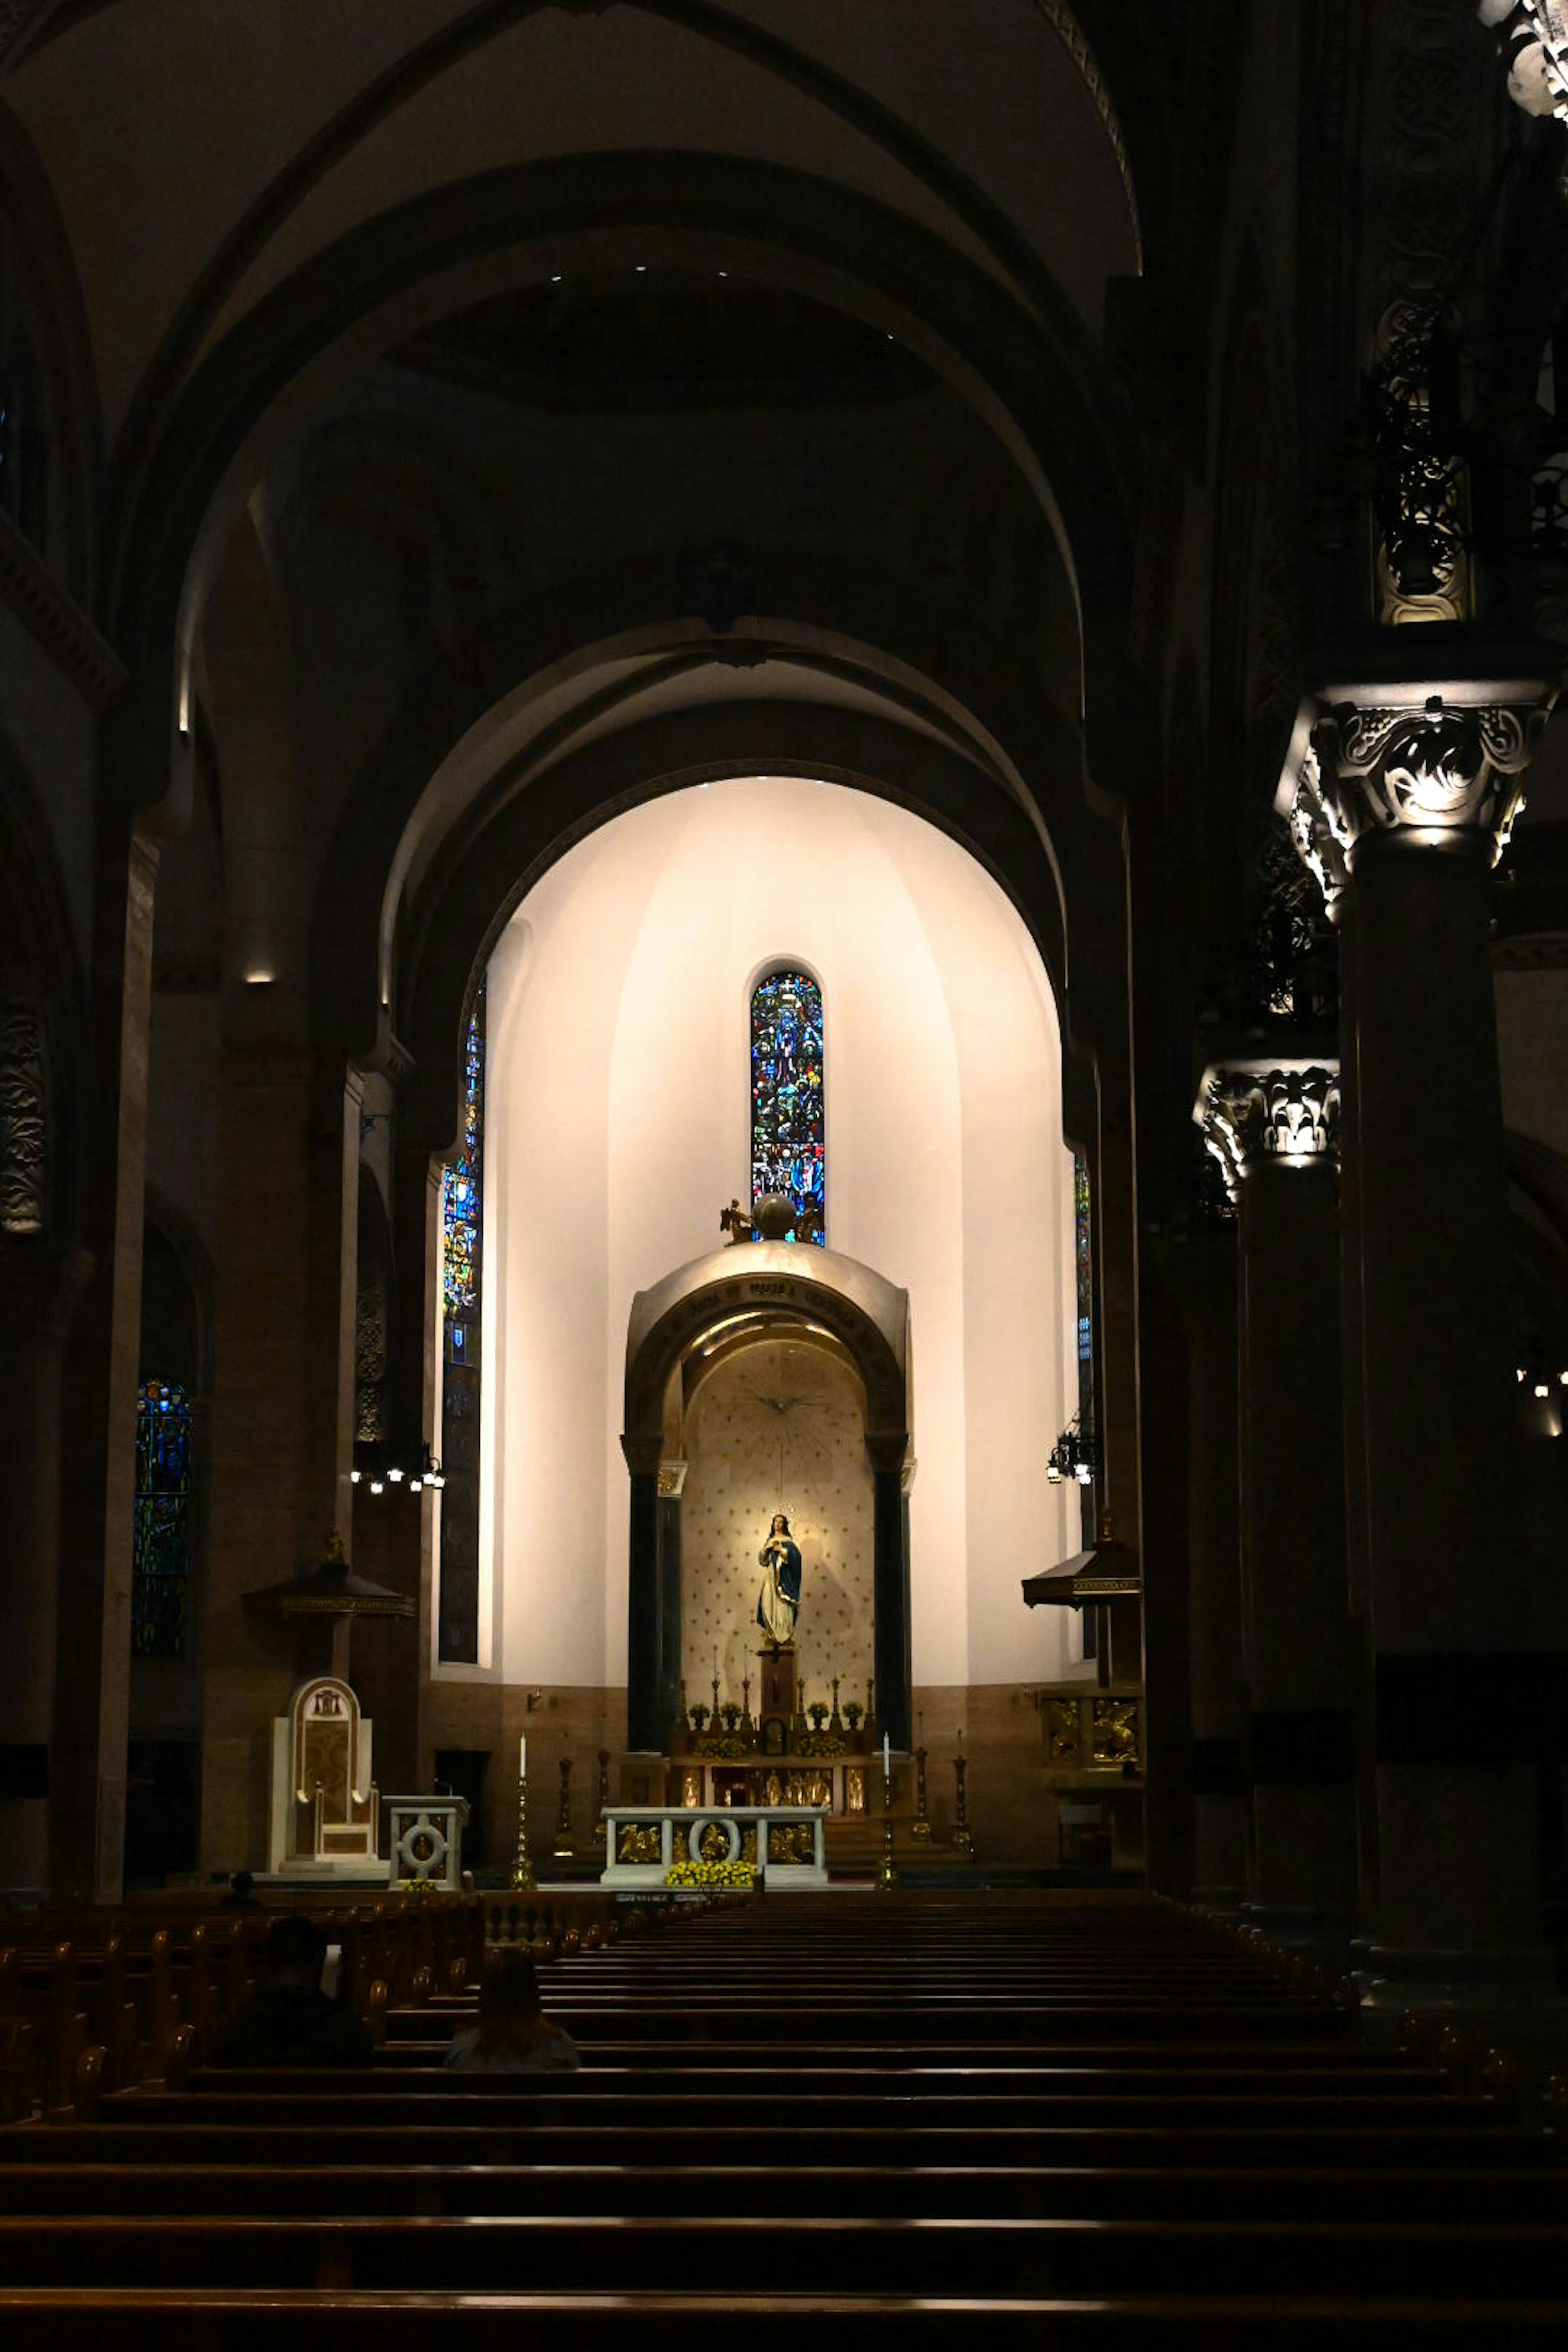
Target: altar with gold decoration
pixel 781 1845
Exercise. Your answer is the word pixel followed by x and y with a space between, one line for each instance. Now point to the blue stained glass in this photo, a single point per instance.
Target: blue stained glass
pixel 1081 1215
pixel 160 1556
pixel 462 1192
pixel 788 1099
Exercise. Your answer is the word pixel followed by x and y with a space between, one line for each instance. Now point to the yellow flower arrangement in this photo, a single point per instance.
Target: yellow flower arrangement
pixel 723 1877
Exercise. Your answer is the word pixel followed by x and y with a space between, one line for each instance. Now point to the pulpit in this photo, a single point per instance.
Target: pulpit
pixel 325 1808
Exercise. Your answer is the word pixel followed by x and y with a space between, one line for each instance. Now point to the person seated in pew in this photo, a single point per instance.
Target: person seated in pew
pixel 514 2035
pixel 288 2021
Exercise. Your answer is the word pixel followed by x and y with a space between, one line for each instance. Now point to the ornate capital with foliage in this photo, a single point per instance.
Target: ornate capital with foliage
pixel 1535 33
pixel 1435 774
pixel 1274 1111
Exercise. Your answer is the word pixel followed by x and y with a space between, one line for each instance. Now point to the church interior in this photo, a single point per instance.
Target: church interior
pixel 783 1138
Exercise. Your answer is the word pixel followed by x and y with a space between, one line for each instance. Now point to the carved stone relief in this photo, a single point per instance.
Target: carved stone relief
pixel 1255 1112
pixel 1424 770
pixel 23 1120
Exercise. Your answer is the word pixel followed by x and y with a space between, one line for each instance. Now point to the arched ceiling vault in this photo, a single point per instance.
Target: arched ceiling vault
pixel 301 120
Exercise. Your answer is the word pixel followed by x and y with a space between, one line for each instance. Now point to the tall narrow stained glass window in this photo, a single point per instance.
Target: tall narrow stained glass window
pixel 787 1099
pixel 161 1545
pixel 1081 1231
pixel 462 1233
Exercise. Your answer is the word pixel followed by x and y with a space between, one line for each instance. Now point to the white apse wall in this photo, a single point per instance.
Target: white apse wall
pixel 617 1126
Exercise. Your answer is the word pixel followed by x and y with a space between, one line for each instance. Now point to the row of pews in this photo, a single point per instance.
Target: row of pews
pixel 97 2000
pixel 1067 2119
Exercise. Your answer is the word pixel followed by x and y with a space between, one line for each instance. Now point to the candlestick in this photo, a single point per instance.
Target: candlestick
pixel 920 1826
pixel 562 1849
pixel 522 1868
pixel 962 1840
pixel 602 1828
pixel 746 1702
pixel 836 1721
pixel 887 1755
pixel 887 1869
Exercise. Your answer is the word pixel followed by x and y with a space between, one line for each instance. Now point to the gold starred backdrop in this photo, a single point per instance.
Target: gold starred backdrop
pixel 732 1439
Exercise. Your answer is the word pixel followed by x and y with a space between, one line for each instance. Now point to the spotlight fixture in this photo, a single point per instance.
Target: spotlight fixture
pixel 379 1467
pixel 1072 1456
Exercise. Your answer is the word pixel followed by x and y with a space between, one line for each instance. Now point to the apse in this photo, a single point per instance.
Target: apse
pixel 617 1128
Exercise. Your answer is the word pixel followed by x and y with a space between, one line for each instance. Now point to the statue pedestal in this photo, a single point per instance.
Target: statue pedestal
pixel 778 1697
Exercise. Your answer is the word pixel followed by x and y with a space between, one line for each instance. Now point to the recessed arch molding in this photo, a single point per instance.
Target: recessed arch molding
pixel 869 1316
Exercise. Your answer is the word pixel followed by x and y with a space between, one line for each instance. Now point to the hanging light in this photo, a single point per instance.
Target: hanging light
pixel 1072 1456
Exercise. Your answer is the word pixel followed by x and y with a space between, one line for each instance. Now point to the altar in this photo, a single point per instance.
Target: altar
pixel 783 1843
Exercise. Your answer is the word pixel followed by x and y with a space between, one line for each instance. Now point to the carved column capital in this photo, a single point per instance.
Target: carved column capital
pixel 1436 772
pixel 1270 1112
pixel 1535 34
pixel 672 1480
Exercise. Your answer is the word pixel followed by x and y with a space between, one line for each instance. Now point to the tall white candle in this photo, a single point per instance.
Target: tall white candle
pixel 522 1757
pixel 887 1755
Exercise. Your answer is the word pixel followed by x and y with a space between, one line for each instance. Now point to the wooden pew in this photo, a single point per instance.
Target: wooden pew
pixel 1095 2126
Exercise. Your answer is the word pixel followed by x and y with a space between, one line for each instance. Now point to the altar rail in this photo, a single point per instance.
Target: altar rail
pixel 783 1841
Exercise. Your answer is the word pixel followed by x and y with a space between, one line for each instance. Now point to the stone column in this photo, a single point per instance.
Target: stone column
pixel 1402 805
pixel 645 1599
pixel 1203 1274
pixel 390 1654
pixel 39 1287
pixel 102 1371
pixel 671 1480
pixel 283 1394
pixel 1271 1125
pixel 890 1584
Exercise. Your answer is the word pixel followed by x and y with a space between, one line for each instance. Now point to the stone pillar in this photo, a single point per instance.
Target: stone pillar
pixel 1203 1270
pixel 102 1372
pixel 1271 1124
pixel 39 1287
pixel 389 1653
pixel 671 1480
pixel 283 1396
pixel 1402 805
pixel 891 1585
pixel 645 1600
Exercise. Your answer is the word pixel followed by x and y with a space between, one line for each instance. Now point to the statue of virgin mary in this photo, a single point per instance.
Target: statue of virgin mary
pixel 778 1603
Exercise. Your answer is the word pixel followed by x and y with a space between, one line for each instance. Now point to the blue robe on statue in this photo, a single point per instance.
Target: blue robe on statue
pixel 778 1603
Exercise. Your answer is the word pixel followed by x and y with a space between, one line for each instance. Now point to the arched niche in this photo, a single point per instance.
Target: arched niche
pixel 713 1302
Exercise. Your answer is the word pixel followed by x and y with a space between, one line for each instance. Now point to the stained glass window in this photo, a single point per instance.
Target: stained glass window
pixel 1085 1266
pixel 787 1099
pixel 462 1227
pixel 161 1556
pixel 462 1192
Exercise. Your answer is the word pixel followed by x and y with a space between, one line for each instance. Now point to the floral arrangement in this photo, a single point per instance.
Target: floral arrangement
pixel 726 1747
pixel 819 1743
pixel 818 1713
pixel 731 1713
pixel 853 1711
pixel 699 1715
pixel 723 1877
